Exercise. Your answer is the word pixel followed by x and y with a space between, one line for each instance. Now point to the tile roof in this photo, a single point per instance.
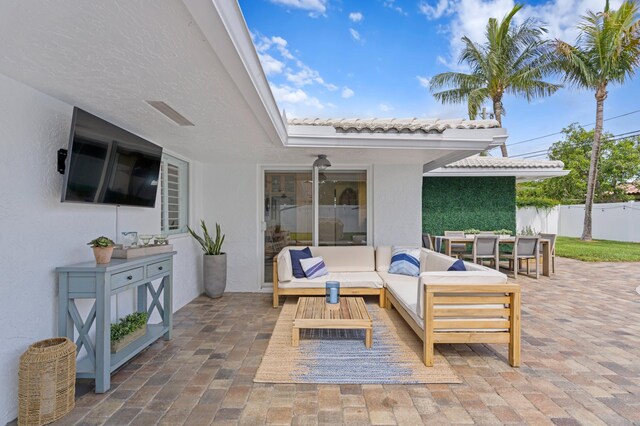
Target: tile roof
pixel 477 161
pixel 395 125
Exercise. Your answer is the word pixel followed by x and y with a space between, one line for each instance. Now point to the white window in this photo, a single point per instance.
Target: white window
pixel 174 195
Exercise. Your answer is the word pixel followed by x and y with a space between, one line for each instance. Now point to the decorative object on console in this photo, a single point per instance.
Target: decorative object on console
pixel 332 292
pixel 129 239
pixel 214 271
pixel 120 252
pixel 102 249
pixel 161 239
pixel 146 239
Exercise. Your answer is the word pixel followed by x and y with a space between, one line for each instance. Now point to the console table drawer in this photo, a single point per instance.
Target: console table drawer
pixel 126 277
pixel 158 268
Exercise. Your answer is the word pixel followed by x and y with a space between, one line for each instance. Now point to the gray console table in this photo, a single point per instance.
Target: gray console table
pixel 89 280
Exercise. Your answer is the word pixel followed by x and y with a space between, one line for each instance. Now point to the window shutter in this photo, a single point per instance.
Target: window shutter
pixel 174 184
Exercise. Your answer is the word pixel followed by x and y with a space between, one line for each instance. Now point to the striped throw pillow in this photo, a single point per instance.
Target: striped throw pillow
pixel 405 261
pixel 314 267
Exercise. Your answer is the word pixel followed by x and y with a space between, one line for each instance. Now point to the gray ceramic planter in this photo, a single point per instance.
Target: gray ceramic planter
pixel 214 274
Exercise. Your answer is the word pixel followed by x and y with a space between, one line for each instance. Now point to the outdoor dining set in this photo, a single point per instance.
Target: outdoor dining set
pixel 487 246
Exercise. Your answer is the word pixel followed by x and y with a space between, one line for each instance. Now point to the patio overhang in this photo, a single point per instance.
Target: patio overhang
pixel 522 170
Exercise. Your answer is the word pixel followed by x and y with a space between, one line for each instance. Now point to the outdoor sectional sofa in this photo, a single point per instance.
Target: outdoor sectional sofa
pixel 441 306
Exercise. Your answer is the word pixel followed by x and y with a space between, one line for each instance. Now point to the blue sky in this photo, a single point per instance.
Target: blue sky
pixel 373 58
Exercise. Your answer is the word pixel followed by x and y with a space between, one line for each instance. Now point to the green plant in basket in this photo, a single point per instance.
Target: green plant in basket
pixel 128 325
pixel 502 232
pixel 101 242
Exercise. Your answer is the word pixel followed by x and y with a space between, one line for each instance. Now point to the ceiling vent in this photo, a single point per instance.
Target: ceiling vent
pixel 170 113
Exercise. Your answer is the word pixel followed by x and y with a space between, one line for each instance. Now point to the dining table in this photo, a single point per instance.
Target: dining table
pixel 446 242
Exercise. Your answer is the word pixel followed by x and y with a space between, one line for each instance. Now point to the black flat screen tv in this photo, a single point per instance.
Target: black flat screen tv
pixel 109 165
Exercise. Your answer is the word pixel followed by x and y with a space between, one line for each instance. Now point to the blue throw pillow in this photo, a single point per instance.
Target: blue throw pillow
pixel 458 265
pixel 296 255
pixel 405 261
pixel 314 267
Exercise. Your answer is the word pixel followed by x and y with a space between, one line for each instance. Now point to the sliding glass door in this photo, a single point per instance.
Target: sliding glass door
pixel 288 213
pixel 342 208
pixel 294 216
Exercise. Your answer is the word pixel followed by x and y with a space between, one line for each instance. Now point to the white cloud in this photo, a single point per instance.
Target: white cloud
pixel 385 108
pixel 424 81
pixel 470 19
pixel 355 34
pixel 270 65
pixel 443 8
pixel 290 95
pixel 356 16
pixel 347 93
pixel 314 6
pixel 391 4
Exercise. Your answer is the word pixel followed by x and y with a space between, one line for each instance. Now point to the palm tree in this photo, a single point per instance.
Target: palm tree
pixel 513 59
pixel 607 51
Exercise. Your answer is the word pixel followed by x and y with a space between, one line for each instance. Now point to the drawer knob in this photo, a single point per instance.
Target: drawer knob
pixel 159 268
pixel 130 277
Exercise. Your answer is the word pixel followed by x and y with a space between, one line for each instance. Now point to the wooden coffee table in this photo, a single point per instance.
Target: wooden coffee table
pixel 314 312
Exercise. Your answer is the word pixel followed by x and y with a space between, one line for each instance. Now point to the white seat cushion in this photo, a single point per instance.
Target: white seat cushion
pixel 403 288
pixel 346 279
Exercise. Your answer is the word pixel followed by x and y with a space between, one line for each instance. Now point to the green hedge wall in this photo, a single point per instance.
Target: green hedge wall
pixel 459 203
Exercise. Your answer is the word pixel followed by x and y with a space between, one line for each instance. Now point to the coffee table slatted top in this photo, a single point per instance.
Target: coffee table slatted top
pixel 314 312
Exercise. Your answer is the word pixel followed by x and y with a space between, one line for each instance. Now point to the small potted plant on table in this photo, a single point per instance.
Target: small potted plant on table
pixel 102 249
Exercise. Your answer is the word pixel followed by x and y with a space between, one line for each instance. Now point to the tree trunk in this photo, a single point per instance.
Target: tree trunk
pixel 601 95
pixel 497 111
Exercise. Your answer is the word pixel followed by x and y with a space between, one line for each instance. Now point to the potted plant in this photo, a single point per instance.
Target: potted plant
pixel 214 261
pixel 128 329
pixel 102 249
pixel 471 232
pixel 503 233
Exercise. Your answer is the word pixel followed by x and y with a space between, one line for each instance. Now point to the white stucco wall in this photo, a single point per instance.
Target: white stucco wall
pixel 540 220
pixel 38 232
pixel 233 202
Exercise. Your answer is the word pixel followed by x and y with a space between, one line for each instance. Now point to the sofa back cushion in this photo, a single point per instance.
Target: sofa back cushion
pixel 347 259
pixel 383 258
pixel 436 261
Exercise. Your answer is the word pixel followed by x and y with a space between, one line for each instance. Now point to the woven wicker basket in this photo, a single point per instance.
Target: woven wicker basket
pixel 47 378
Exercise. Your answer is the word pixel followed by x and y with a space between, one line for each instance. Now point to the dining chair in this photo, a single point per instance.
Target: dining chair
pixel 426 241
pixel 485 247
pixel 552 246
pixel 524 248
pixel 458 248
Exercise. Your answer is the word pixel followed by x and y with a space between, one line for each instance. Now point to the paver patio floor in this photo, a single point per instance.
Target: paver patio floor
pixel 580 365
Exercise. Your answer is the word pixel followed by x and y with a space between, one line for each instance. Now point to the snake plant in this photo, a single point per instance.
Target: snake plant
pixel 209 245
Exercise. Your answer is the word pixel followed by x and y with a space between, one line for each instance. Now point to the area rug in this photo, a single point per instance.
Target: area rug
pixel 340 357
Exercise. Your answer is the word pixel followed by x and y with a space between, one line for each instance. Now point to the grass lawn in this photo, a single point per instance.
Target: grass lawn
pixel 598 250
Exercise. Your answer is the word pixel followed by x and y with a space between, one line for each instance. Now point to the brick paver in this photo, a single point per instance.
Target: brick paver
pixel 580 365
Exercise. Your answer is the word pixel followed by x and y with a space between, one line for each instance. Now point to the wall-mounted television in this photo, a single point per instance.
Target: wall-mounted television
pixel 108 165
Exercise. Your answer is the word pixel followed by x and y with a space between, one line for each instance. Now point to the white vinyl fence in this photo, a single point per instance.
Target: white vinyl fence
pixel 611 221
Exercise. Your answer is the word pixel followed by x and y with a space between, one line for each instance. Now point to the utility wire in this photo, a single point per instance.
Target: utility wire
pixel 585 125
pixel 617 137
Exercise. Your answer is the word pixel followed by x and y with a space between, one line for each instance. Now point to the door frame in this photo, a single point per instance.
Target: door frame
pixel 264 168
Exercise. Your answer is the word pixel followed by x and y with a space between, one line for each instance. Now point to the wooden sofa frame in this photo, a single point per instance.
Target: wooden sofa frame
pixel 346 291
pixel 441 294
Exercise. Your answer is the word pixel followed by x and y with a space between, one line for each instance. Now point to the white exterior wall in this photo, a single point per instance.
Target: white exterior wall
pixel 540 220
pixel 232 200
pixel 39 233
pixel 611 221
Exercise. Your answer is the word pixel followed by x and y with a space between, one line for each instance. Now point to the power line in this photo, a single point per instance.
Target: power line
pixel 617 137
pixel 585 125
